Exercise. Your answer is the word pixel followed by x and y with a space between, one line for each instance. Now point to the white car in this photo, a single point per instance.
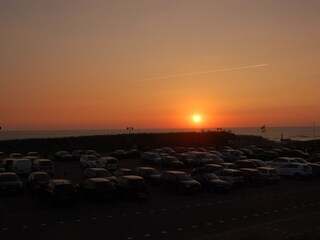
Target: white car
pixel 21 166
pixel 88 161
pixel 296 170
pixel 110 163
pixel 151 158
pixel 278 162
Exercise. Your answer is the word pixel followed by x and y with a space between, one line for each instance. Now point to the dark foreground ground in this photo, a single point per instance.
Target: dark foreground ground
pixel 289 210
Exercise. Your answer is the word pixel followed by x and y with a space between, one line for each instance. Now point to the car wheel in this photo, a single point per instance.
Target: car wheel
pixel 297 176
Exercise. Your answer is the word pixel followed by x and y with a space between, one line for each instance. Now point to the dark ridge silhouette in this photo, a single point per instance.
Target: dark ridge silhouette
pixel 141 141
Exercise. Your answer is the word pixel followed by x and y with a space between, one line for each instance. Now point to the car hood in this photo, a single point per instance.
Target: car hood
pixel 219 182
pixel 11 183
pixel 191 182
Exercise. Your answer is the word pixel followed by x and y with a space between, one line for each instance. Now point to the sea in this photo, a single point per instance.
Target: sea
pixel 272 133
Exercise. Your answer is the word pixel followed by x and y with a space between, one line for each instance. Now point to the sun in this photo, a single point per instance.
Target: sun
pixel 196 118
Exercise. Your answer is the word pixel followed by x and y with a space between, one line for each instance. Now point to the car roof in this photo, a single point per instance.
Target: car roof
pixel 145 168
pixel 132 177
pixel 98 180
pixel 7 173
pixel 249 169
pixel 98 169
pixel 39 173
pixel 175 172
pixel 61 181
pixel 230 170
pixel 266 168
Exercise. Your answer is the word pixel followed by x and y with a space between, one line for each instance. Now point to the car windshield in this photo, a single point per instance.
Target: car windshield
pixel 102 185
pixel 42 177
pixel 184 177
pixel 210 176
pixel 92 158
pixel 8 178
pixel 45 163
pixel 152 172
pixel 137 182
pixel 261 164
pixel 64 187
pixel 103 173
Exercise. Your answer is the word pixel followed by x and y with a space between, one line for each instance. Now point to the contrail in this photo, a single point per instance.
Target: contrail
pixel 211 71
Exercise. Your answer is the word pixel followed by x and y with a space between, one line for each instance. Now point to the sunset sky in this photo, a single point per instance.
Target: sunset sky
pixel 156 63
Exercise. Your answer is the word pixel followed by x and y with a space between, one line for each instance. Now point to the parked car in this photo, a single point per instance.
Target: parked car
pixel 36 183
pixel 212 182
pixel 167 160
pixel 88 161
pixel 98 173
pixel 296 170
pixel 97 188
pixel 187 160
pixel 278 162
pixel 150 158
pixel 132 187
pixel 92 152
pixel 110 163
pixel 227 165
pixel 180 181
pixel 119 154
pixel 76 154
pixel 21 166
pixel 15 155
pixel 10 183
pixel 252 176
pixel 248 163
pixel 270 174
pixel 208 168
pixel 233 176
pixel 151 175
pixel 63 156
pixel 59 191
pixel 33 154
pixel 123 172
pixel 259 163
pixel 44 165
pixel 201 157
pixel 133 153
pixel 7 162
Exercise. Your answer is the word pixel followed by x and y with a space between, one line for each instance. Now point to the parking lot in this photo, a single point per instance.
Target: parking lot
pixel 288 210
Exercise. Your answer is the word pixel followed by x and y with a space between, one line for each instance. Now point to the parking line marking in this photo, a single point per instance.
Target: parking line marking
pixel 233 219
pixel 164 232
pixel 129 238
pixel 138 213
pixel 94 218
pixel 221 221
pixel 164 209
pixel 4 229
pixel 208 224
pixel 61 222
pixel 245 216
pixel 194 226
pixel 147 235
pixel 78 220
pixel 179 229
pixel 43 224
pixel 109 216
pixel 24 227
pixel 256 215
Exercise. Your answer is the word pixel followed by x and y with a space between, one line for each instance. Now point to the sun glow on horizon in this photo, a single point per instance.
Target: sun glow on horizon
pixel 196 118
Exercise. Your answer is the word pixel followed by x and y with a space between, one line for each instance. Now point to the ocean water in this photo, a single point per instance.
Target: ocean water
pixel 273 133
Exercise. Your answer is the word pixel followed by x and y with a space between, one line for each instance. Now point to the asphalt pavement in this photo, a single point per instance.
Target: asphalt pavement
pixel 288 210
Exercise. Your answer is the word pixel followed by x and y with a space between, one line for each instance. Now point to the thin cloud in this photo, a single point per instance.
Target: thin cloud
pixel 204 72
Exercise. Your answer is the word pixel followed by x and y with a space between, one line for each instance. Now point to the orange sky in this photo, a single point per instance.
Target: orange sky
pixel 84 65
